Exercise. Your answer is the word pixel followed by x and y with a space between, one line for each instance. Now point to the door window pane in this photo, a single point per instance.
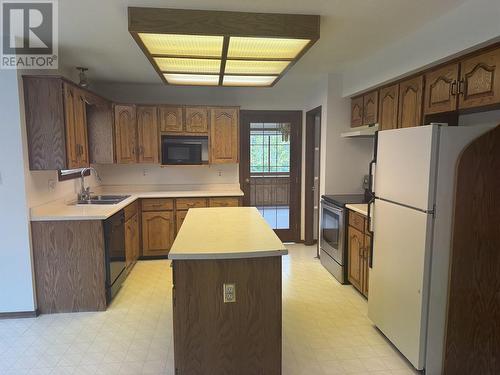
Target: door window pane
pixel 270 172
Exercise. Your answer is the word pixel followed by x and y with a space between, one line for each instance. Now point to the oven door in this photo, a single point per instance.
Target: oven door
pixel 332 231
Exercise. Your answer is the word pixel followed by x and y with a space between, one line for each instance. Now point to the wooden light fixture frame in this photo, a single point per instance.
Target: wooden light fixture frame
pixel 226 24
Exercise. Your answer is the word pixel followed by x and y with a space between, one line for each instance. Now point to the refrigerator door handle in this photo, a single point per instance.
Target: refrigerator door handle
pixel 370 229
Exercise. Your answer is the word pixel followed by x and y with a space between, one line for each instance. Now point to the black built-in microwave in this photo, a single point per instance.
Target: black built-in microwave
pixel 177 150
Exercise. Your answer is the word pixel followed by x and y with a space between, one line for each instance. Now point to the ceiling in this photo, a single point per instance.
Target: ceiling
pixel 94 33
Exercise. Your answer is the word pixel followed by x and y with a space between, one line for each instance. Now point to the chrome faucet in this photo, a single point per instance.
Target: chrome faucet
pixel 85 193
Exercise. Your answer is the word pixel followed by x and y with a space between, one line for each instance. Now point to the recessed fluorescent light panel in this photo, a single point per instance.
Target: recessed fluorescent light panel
pixel 211 48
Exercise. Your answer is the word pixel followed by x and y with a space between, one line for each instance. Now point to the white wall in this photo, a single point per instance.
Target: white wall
pixel 471 24
pixel 16 283
pixel 346 158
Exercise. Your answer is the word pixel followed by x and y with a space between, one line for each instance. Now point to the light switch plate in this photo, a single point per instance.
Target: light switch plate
pixel 229 291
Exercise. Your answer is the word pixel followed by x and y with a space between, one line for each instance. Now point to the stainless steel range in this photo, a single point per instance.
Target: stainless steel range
pixel 333 234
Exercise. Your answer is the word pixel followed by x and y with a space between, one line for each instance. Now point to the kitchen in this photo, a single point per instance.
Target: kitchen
pixel 100 313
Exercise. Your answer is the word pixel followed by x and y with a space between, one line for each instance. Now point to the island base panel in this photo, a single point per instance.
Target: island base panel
pixel 212 337
pixel 69 266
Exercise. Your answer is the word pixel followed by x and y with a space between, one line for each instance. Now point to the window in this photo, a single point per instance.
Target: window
pixel 269 149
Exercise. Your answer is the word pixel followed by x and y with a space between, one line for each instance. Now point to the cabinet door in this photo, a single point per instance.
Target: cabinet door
pixel 388 107
pixel 196 120
pixel 480 80
pixel 72 152
pixel 125 134
pixel 136 243
pixel 224 135
pixel 224 202
pixel 410 102
pixel 370 108
pixel 157 232
pixel 366 267
pixel 171 119
pixel 129 242
pixel 179 218
pixel 355 255
pixel 81 138
pixel 147 135
pixel 441 90
pixel 357 111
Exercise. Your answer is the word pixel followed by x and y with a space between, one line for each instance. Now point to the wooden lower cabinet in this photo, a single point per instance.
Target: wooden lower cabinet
pixel 132 241
pixel 224 202
pixel 158 230
pixel 358 249
pixel 179 218
pixel 355 253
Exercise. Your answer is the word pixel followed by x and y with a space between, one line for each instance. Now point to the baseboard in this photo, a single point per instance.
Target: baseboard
pixel 19 314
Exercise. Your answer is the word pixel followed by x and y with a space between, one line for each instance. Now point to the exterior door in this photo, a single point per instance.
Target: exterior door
pixel 270 168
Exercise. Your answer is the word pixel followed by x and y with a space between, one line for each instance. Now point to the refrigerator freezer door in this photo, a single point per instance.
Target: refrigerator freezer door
pixel 399 277
pixel 406 166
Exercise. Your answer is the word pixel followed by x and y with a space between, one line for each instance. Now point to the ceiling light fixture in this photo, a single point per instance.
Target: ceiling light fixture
pixel 215 48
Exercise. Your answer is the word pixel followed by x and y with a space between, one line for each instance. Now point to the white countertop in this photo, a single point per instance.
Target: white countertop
pixel 225 233
pixel 62 210
pixel 361 208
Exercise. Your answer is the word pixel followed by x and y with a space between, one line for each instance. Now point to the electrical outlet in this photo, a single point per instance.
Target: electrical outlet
pixel 229 291
pixel 144 172
pixel 220 173
pixel 52 185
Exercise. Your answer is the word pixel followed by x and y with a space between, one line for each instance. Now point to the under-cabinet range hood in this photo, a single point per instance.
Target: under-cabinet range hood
pixel 361 131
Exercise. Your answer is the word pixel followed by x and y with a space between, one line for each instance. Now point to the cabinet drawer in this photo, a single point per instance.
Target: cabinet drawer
pixel 224 202
pixel 130 210
pixel 357 221
pixel 157 204
pixel 187 203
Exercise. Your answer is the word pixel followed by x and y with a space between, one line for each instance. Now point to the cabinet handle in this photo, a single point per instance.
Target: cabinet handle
pixel 453 88
pixel 461 87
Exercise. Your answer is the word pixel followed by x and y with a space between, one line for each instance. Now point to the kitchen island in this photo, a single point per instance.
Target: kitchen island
pixel 227 293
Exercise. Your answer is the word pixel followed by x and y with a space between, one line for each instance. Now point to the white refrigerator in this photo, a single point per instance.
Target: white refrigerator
pixel 411 219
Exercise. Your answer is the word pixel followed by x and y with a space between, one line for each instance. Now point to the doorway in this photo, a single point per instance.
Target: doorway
pixel 270 167
pixel 312 171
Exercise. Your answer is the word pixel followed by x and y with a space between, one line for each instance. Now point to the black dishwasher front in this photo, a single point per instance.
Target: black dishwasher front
pixel 114 237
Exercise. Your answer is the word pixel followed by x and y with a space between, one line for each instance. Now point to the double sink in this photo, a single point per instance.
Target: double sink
pixel 102 199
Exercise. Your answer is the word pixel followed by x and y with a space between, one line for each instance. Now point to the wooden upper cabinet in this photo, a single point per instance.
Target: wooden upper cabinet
pixel 72 150
pixel 196 120
pixel 357 111
pixel 370 108
pixel 480 80
pixel 441 88
pixel 366 267
pixel 147 134
pixel 76 128
pixel 224 135
pixel 81 138
pixel 171 119
pixel 388 107
pixel 410 102
pixel 125 134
